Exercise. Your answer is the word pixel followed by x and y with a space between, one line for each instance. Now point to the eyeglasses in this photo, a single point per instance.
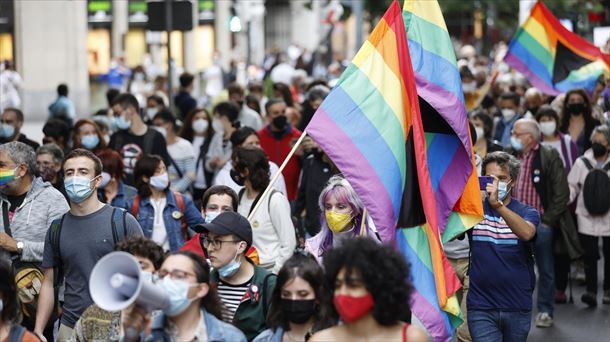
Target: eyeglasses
pixel 216 244
pixel 175 274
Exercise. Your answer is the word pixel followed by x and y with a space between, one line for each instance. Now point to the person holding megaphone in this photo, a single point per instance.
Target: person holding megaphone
pixel 193 311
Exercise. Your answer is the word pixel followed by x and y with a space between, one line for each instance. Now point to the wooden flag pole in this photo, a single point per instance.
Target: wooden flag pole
pixel 277 175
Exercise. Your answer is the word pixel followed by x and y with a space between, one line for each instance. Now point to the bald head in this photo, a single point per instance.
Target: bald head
pixel 528 126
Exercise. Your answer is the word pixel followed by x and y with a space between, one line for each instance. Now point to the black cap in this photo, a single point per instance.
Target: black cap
pixel 226 223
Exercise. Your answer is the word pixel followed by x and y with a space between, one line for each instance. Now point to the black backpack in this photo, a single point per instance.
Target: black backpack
pixel 596 190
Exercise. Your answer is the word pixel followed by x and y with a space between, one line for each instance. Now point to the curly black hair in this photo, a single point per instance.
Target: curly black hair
pixel 255 161
pixel 144 248
pixel 384 272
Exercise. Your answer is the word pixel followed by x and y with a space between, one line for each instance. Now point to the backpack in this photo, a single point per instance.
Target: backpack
pixel 596 190
pixel 118 219
pixel 135 208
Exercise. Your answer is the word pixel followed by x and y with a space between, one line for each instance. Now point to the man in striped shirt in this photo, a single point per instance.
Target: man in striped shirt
pixel 244 288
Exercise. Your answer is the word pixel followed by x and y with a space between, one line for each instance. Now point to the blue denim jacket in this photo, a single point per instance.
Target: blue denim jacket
pixel 146 218
pixel 123 198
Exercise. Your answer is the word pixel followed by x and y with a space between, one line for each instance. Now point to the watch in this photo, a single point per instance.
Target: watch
pixel 20 247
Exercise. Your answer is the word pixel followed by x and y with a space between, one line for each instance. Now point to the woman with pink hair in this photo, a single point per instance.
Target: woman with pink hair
pixel 343 217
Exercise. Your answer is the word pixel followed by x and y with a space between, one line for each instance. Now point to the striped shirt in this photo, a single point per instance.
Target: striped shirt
pixel 525 189
pixel 231 296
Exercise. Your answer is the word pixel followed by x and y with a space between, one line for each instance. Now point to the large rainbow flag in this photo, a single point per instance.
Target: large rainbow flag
pixel 451 165
pixel 554 59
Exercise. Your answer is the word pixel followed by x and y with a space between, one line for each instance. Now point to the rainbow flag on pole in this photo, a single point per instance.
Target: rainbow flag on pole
pixel 554 59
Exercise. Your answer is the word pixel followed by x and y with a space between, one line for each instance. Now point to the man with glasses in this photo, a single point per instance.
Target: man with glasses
pixel 244 288
pixel 543 185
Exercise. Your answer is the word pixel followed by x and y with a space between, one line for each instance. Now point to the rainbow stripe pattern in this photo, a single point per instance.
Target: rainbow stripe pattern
pixel 554 59
pixel 6 176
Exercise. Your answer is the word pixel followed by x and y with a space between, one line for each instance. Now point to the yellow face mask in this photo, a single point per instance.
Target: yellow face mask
pixel 337 221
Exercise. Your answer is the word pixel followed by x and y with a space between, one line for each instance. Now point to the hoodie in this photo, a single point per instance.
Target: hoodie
pixel 42 204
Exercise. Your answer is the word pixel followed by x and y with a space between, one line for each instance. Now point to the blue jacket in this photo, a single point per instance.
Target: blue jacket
pixel 172 217
pixel 504 130
pixel 270 335
pixel 123 198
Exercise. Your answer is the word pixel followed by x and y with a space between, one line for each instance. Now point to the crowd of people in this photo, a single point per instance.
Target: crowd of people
pixel 180 187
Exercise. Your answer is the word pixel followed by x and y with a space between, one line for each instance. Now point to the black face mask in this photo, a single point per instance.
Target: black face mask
pixel 298 311
pixel 598 149
pixel 237 178
pixel 577 108
pixel 280 122
pixel 534 110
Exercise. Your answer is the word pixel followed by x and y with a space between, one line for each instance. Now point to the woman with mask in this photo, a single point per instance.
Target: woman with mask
pixel 576 118
pixel 182 168
pixel 194 311
pixel 342 218
pixel 551 136
pixel 483 125
pixel 87 135
pixel 163 215
pixel 274 234
pixel 113 190
pixel 593 226
pixel 10 307
pixel 299 304
pixel 206 144
pixel 371 289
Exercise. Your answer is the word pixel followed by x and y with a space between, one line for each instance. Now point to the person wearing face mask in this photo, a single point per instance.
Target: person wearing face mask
pixel 300 305
pixel 96 324
pixel 154 103
pixel 58 132
pixel 165 216
pixel 133 138
pixel 509 106
pixel 182 168
pixel 551 136
pixel 371 289
pixel 206 144
pixel 11 122
pixel 274 233
pixel 77 240
pixel 112 188
pixel 247 117
pixel 483 126
pixel 246 137
pixel 225 122
pixel 245 289
pixel 342 218
pixel 577 120
pixel 277 139
pixel 194 311
pixel 49 158
pixel 28 206
pixel 501 267
pixel 593 226
pixel 542 184
pixel 87 135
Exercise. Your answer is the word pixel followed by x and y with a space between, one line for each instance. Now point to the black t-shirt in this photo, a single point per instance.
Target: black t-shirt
pixel 15 201
pixel 133 147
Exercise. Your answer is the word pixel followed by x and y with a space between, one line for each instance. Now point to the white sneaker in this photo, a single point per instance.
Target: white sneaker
pixel 544 320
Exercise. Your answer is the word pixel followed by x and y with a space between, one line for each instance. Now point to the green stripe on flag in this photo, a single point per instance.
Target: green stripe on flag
pixel 431 37
pixel 537 50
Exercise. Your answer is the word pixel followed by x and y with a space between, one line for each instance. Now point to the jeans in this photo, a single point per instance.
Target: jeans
pixel 499 326
pixel 546 269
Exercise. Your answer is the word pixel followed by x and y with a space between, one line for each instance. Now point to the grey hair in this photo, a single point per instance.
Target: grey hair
pixel 532 126
pixel 602 129
pixel 21 153
pixel 52 149
pixel 504 160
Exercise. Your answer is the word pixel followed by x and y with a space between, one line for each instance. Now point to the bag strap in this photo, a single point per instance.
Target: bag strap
pixel 149 138
pixel 180 203
pixel 118 218
pixel 135 206
pixel 173 162
pixel 55 235
pixel 606 167
pixel 16 333
pixel 5 219
pixel 587 163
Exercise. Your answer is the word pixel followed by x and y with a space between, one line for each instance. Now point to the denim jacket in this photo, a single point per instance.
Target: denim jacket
pixel 172 217
pixel 123 198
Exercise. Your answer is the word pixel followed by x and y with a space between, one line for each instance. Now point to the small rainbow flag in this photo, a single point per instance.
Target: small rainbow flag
pixel 554 59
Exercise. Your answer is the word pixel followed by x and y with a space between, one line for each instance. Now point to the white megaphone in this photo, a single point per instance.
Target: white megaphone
pixel 115 283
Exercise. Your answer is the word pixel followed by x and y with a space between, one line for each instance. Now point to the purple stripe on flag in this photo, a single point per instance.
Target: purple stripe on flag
pixel 452 186
pixel 355 167
pixel 431 317
pixel 516 63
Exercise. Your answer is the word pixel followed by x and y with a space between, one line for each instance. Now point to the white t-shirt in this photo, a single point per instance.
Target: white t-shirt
pixel 199 176
pixel 159 234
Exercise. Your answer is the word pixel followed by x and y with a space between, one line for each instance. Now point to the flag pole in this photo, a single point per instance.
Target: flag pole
pixel 277 175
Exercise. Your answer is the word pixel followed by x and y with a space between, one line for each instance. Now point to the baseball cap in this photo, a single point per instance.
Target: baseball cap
pixel 226 223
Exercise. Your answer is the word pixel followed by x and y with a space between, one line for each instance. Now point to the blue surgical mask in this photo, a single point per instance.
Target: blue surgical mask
pixel 177 291
pixel 122 123
pixel 90 141
pixel 516 143
pixel 503 190
pixel 231 268
pixel 78 188
pixel 210 216
pixel 7 130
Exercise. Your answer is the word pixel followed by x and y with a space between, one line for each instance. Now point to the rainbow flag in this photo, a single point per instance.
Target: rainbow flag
pixel 554 59
pixel 451 166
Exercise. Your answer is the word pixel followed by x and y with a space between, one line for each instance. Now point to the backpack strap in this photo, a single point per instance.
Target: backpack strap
pixel 135 206
pixel 606 167
pixel 149 138
pixel 118 218
pixel 587 163
pixel 54 237
pixel 16 333
pixel 180 203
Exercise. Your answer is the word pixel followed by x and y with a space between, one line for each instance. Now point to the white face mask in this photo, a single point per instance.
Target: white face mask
pixel 161 130
pixel 508 114
pixel 548 128
pixel 480 132
pixel 218 126
pixel 151 112
pixel 200 126
pixel 160 182
pixel 105 179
